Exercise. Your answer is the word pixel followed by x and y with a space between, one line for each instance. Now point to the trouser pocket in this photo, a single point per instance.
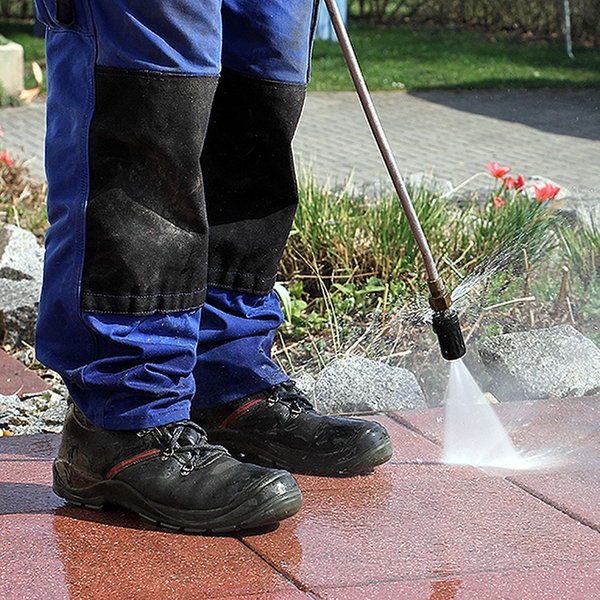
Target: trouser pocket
pixel 63 14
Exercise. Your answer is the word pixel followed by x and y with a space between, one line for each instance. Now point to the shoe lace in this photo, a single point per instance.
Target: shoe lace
pixel 187 443
pixel 289 395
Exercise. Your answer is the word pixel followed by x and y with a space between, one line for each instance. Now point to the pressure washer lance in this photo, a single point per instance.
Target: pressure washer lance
pixel 445 318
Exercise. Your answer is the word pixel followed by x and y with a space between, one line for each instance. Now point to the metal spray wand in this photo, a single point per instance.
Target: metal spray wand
pixel 445 319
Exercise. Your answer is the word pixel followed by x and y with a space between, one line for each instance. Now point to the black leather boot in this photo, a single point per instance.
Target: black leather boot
pixel 279 427
pixel 169 475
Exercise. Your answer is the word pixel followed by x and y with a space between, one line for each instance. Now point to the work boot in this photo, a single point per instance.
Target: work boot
pixel 169 475
pixel 280 428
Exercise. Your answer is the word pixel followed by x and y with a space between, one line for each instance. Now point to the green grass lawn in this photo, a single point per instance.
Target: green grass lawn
pixel 402 57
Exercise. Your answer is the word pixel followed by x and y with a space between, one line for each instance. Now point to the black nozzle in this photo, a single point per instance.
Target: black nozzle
pixel 447 328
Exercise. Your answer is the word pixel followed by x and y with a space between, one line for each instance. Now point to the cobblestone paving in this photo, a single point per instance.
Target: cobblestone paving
pixel 550 133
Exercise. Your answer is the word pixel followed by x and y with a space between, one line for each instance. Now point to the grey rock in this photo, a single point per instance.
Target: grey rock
pixel 305 383
pixel 546 363
pixel 584 212
pixel 25 356
pixel 51 420
pixel 430 183
pixel 10 412
pixel 360 385
pixel 38 413
pixel 21 257
pixel 21 267
pixel 19 302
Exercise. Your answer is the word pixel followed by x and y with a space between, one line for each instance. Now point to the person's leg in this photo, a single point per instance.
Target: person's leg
pixel 234 349
pixel 130 89
pixel 243 398
pixel 251 192
pixel 131 85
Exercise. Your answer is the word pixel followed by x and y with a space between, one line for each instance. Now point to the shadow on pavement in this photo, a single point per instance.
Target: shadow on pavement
pixel 572 112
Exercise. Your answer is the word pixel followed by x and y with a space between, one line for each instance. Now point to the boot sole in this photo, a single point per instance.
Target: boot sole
pixel 271 500
pixel 269 454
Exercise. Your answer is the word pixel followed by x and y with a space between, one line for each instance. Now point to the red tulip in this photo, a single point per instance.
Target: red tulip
pixel 498 202
pixel 547 192
pixel 518 183
pixel 497 171
pixel 5 158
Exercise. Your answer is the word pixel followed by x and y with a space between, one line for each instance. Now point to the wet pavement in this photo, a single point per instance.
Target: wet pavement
pixel 415 529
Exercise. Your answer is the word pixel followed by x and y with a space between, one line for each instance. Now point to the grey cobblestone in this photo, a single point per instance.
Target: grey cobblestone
pixel 552 133
pixel 24 129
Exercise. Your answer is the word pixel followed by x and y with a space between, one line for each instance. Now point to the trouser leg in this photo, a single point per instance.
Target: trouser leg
pixel 130 89
pixel 251 192
pixel 234 349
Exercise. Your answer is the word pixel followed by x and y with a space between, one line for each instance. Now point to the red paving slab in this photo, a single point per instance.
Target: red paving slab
pixel 564 434
pixel 533 425
pixel 15 378
pixel 408 448
pixel 571 583
pixel 59 551
pixel 414 529
pixel 568 433
pixel 423 520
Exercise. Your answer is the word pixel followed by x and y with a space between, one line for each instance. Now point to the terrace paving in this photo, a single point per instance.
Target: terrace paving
pixel 552 133
pixel 415 529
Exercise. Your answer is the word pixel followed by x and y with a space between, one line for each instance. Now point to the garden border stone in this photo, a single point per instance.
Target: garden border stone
pixel 21 269
pixel 556 362
pixel 361 385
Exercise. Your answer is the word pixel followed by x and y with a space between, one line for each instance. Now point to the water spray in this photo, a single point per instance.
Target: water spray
pixel 446 324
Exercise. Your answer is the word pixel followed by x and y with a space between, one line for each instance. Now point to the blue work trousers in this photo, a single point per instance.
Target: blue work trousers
pixel 171 195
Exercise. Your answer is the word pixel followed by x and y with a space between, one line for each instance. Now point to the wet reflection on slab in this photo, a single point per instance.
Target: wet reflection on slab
pixel 413 529
pixel 562 440
pixel 420 521
pixel 60 551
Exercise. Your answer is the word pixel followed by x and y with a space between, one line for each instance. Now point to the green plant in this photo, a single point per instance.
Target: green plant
pixel 492 330
pixel 22 199
pixel 298 320
pixel 519 17
pixel 512 220
pixel 351 260
pixel 22 9
pixel 382 10
pixel 580 249
pixel 350 297
pixel 345 238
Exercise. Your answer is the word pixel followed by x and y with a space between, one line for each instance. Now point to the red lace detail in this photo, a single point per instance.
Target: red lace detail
pixel 131 461
pixel 241 410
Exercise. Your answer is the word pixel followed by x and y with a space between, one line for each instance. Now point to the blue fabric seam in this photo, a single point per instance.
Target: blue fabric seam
pixel 176 294
pixel 146 313
pixel 243 273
